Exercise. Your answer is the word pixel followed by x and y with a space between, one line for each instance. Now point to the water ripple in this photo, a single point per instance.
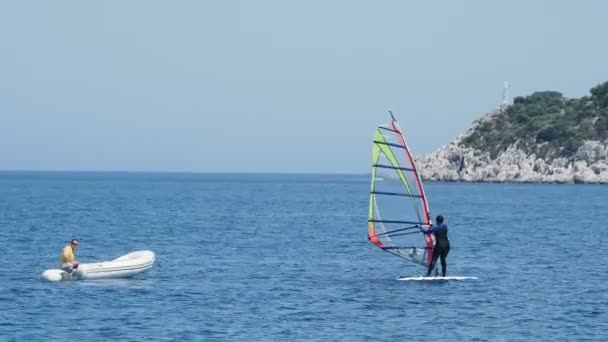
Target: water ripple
pixel 274 258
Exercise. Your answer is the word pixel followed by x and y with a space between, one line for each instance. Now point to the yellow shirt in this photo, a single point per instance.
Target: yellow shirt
pixel 67 255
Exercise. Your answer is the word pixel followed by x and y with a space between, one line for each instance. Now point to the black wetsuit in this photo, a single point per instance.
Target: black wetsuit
pixel 441 249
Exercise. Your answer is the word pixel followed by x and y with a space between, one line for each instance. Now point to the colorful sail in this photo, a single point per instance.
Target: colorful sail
pixel 398 208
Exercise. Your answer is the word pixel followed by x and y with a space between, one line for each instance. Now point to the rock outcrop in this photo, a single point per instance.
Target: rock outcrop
pixel 543 137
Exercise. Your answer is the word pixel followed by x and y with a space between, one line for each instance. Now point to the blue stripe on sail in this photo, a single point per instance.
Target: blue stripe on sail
pixel 397 221
pixel 394 194
pixel 398 230
pixel 393 167
pixel 405 233
pixel 387 129
pixel 404 247
pixel 389 144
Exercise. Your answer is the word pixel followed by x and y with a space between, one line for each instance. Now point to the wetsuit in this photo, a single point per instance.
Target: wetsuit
pixel 442 247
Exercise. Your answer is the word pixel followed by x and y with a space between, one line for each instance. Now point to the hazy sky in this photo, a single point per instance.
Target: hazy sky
pixel 279 86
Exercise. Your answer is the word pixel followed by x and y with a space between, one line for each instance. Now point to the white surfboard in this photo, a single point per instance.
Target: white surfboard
pixel 436 278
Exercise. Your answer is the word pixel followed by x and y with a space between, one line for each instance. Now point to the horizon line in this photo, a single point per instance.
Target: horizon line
pixel 186 172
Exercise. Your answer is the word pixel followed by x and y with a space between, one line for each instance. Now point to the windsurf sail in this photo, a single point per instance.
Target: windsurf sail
pixel 398 208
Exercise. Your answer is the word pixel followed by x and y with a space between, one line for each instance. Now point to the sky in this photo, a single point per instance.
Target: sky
pixel 272 86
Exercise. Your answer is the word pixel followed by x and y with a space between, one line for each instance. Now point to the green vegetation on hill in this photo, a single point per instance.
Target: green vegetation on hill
pixel 545 123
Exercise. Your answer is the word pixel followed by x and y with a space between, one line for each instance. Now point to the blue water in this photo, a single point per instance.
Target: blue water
pixel 285 257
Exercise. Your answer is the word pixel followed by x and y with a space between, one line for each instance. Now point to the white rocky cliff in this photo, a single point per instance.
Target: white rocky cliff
pixel 456 163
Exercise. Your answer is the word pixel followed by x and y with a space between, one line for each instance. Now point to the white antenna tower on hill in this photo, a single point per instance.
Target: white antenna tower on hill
pixel 505 96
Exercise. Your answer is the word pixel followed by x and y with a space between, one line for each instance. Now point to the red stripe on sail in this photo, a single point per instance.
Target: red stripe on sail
pixel 371 235
pixel 425 207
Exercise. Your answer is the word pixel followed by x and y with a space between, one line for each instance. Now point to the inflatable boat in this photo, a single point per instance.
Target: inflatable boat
pixel 125 266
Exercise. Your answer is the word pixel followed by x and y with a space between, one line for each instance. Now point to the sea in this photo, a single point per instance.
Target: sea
pixel 285 257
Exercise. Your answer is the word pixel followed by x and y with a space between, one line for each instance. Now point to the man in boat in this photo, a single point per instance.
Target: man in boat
pixel 442 245
pixel 68 257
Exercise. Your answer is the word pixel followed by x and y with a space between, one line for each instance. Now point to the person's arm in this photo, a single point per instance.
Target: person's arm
pixel 74 261
pixel 431 230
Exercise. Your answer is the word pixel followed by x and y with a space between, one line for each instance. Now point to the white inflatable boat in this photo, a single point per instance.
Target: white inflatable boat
pixel 125 266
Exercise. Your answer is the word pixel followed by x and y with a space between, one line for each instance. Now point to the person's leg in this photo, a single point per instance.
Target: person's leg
pixel 68 267
pixel 444 255
pixel 433 261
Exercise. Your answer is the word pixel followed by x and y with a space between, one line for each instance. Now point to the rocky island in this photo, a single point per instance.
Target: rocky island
pixel 543 138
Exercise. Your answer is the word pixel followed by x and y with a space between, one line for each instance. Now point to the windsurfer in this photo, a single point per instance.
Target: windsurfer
pixel 442 245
